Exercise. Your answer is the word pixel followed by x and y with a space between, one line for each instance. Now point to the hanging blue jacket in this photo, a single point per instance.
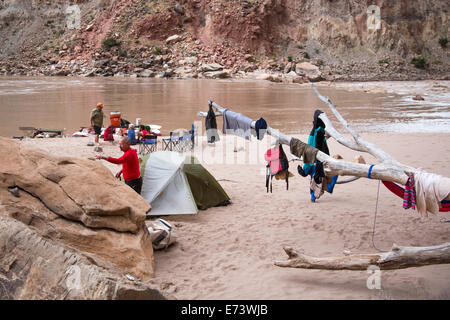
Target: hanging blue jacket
pixel 317 140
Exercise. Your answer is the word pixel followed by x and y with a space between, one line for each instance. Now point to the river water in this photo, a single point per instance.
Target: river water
pixel 66 102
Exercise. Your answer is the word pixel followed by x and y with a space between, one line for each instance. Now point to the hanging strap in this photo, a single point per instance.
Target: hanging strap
pixel 287 179
pixel 370 171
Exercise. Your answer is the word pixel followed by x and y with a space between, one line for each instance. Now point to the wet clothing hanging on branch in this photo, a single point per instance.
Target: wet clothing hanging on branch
pixel 303 150
pixel 237 124
pixel 429 190
pixel 211 126
pixel 260 128
pixel 277 165
pixel 409 196
pixel 312 167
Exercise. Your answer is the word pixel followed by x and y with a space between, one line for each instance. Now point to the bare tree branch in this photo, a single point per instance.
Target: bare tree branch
pixel 365 145
pixel 331 131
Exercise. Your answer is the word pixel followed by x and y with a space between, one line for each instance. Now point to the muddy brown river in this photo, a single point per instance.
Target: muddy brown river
pixel 65 103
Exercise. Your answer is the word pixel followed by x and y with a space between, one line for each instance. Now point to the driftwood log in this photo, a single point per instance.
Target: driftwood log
pixel 387 169
pixel 398 258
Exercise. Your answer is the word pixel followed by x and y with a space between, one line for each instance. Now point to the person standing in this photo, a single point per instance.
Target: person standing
pixel 97 121
pixel 130 165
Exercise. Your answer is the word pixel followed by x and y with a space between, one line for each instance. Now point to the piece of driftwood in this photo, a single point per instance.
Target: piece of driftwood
pixel 398 258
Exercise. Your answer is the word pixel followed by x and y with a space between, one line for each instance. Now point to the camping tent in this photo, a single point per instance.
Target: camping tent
pixel 176 184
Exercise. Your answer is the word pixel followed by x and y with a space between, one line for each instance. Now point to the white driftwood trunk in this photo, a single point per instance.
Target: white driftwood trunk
pixel 387 169
pixel 397 258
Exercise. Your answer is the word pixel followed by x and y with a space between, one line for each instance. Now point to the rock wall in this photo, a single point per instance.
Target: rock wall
pixel 333 32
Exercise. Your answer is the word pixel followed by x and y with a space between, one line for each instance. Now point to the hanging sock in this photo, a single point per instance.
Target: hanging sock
pixel 409 196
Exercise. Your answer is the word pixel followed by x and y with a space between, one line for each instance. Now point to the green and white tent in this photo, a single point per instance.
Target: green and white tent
pixel 177 184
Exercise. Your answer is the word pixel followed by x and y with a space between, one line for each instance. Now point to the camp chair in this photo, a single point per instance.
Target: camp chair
pixel 186 142
pixel 170 142
pixel 148 144
pixel 179 146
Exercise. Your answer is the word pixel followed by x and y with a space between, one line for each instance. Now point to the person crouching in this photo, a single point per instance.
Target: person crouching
pixel 130 165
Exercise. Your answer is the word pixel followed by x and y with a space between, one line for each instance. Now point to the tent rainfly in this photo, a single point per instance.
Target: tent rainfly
pixel 176 184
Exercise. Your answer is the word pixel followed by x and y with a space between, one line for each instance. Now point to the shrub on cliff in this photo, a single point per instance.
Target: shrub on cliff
pixel 419 62
pixel 157 51
pixel 109 43
pixel 443 42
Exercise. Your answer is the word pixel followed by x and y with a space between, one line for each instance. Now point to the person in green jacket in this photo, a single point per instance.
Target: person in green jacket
pixel 97 120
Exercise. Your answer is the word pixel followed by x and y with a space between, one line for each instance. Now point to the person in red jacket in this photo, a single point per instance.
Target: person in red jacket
pixel 130 165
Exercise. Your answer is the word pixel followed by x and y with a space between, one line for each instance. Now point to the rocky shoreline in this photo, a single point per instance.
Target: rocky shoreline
pixel 184 58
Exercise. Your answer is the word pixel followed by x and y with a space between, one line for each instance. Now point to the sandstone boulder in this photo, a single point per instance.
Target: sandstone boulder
pixel 262 76
pixel 309 70
pixel 173 39
pixel 147 74
pixel 77 189
pixel 79 203
pixel 183 72
pixel 33 267
pixel 221 74
pixel 275 78
pixel 293 77
pixel 190 60
pixel 207 67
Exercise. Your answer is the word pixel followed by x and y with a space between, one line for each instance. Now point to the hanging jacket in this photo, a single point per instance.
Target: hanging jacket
pixel 211 126
pixel 319 182
pixel 317 134
pixel 316 138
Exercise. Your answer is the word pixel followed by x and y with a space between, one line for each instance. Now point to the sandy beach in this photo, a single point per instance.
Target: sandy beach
pixel 70 230
pixel 229 252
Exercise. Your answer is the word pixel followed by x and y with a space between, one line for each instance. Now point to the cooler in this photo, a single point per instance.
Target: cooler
pixel 115 119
